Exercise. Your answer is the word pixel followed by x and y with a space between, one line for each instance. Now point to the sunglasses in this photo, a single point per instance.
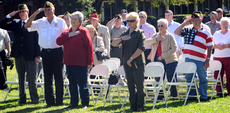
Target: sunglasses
pixel 141 17
pixel 160 26
pixel 130 21
pixel 22 11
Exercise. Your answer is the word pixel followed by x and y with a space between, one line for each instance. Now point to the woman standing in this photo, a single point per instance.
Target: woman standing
pixel 78 58
pixel 98 44
pixel 164 50
pixel 221 41
pixel 134 60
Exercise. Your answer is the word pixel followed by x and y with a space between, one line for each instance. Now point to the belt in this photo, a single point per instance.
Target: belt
pixel 51 49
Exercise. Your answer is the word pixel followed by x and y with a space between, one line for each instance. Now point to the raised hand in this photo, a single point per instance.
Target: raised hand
pixel 73 33
pixel 39 10
pixel 13 13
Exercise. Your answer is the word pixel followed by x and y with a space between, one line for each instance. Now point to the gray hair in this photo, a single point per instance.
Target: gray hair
pixel 213 12
pixel 162 21
pixel 224 19
pixel 79 15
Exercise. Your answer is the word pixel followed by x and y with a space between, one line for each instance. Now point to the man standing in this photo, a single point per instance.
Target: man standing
pixel 5 42
pixel 115 30
pixel 124 12
pixel 49 28
pixel 26 51
pixel 214 25
pixel 198 41
pixel 206 17
pixel 219 14
pixel 171 28
pixel 102 31
pixel 149 31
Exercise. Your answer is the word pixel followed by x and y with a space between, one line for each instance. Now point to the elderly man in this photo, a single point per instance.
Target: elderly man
pixel 102 31
pixel 214 25
pixel 78 57
pixel 171 28
pixel 206 17
pixel 198 41
pixel 219 14
pixel 124 12
pixel 26 52
pixel 149 31
pixel 49 28
pixel 115 30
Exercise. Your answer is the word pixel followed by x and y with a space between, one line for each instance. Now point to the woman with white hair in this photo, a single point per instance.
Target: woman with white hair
pixel 133 60
pixel 164 50
pixel 221 41
pixel 78 58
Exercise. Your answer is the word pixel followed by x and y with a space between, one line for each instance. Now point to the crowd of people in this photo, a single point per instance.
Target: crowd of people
pixel 128 36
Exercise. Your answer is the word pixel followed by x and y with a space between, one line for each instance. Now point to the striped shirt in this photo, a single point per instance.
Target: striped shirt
pixel 196 43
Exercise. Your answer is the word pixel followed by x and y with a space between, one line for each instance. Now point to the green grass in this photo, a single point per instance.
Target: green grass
pixel 217 105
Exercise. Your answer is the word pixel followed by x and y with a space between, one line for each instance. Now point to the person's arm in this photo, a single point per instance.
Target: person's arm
pixel 152 40
pixel 62 38
pixel 5 24
pixel 85 22
pixel 209 52
pixel 178 29
pixel 107 40
pixel 30 20
pixel 37 49
pixel 172 50
pixel 111 22
pixel 100 45
pixel 8 47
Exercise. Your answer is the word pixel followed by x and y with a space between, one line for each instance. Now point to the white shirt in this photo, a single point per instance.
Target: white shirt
pixel 48 32
pixel 179 40
pixel 219 38
pixel 125 25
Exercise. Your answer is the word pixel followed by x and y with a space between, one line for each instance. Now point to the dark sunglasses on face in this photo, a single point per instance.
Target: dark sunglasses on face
pixel 141 17
pixel 22 11
pixel 160 26
pixel 130 21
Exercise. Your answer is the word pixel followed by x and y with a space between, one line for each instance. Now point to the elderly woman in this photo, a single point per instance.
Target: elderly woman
pixel 221 41
pixel 98 44
pixel 133 60
pixel 164 50
pixel 78 58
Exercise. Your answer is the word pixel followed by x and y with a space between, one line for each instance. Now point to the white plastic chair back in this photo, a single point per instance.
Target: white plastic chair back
pixel 117 60
pixel 153 71
pixel 181 60
pixel 155 64
pixel 102 70
pixel 186 67
pixel 121 71
pixel 111 64
pixel 215 65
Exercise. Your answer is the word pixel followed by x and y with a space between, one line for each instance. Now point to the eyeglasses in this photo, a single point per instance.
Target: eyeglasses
pixel 22 11
pixel 141 17
pixel 130 21
pixel 160 26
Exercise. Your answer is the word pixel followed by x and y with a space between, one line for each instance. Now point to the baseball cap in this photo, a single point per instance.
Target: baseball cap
pixel 48 4
pixel 124 11
pixel 22 6
pixel 94 16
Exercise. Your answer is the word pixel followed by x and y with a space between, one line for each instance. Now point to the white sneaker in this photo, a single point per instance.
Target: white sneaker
pixel 85 107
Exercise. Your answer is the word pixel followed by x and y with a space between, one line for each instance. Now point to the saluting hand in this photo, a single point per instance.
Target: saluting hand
pixel 73 33
pixel 13 13
pixel 39 10
pixel 187 22
pixel 161 38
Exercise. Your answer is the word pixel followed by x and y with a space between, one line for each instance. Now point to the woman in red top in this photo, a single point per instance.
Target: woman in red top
pixel 78 58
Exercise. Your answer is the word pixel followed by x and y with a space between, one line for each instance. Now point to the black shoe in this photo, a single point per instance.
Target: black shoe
pixel 58 104
pixel 192 99
pixel 140 109
pixel 49 105
pixel 21 102
pixel 204 100
pixel 131 110
pixel 34 103
pixel 71 107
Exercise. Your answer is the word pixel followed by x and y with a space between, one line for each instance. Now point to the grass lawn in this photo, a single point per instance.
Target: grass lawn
pixel 216 105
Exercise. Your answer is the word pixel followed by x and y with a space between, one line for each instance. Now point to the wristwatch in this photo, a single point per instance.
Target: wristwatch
pixel 208 58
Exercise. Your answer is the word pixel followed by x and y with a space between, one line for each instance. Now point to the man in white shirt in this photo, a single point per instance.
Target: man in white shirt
pixel 171 28
pixel 49 28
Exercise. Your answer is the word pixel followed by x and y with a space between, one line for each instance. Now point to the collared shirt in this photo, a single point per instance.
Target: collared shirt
pixel 220 38
pixel 4 38
pixel 213 27
pixel 78 50
pixel 171 28
pixel 196 43
pixel 103 32
pixel 149 31
pixel 48 32
pixel 125 25
pixel 116 32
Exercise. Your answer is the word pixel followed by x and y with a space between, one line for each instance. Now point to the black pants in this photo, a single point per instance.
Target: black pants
pixel 147 52
pixel 52 65
pixel 3 77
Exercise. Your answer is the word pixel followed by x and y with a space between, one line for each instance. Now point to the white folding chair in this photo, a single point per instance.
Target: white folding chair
pixel 119 90
pixel 65 81
pixel 111 64
pixel 154 70
pixel 215 65
pixel 101 72
pixel 117 60
pixel 186 68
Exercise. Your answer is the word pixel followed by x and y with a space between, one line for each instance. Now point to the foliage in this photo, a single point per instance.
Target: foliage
pixel 87 8
pixel 157 3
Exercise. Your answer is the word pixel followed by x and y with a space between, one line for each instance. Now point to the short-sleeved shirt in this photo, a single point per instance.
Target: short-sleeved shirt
pixel 116 32
pixel 4 37
pixel 130 46
pixel 213 27
pixel 219 38
pixel 48 32
pixel 171 28
pixel 149 31
pixel 196 43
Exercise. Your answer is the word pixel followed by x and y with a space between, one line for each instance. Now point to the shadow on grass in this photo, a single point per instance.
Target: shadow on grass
pixel 26 110
pixel 112 107
pixel 8 104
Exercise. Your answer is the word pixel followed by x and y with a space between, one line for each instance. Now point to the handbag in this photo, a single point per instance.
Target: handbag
pixel 101 55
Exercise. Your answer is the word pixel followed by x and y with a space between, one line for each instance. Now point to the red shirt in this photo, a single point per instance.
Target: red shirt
pixel 78 50
pixel 159 49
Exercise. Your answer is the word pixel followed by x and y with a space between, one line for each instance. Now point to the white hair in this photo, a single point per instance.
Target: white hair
pixel 79 14
pixel 162 21
pixel 224 19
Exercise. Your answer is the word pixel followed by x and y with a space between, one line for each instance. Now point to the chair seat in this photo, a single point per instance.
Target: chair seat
pixel 179 83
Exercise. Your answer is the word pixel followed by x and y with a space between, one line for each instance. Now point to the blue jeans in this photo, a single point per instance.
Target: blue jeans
pixel 78 77
pixel 202 74
pixel 169 71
